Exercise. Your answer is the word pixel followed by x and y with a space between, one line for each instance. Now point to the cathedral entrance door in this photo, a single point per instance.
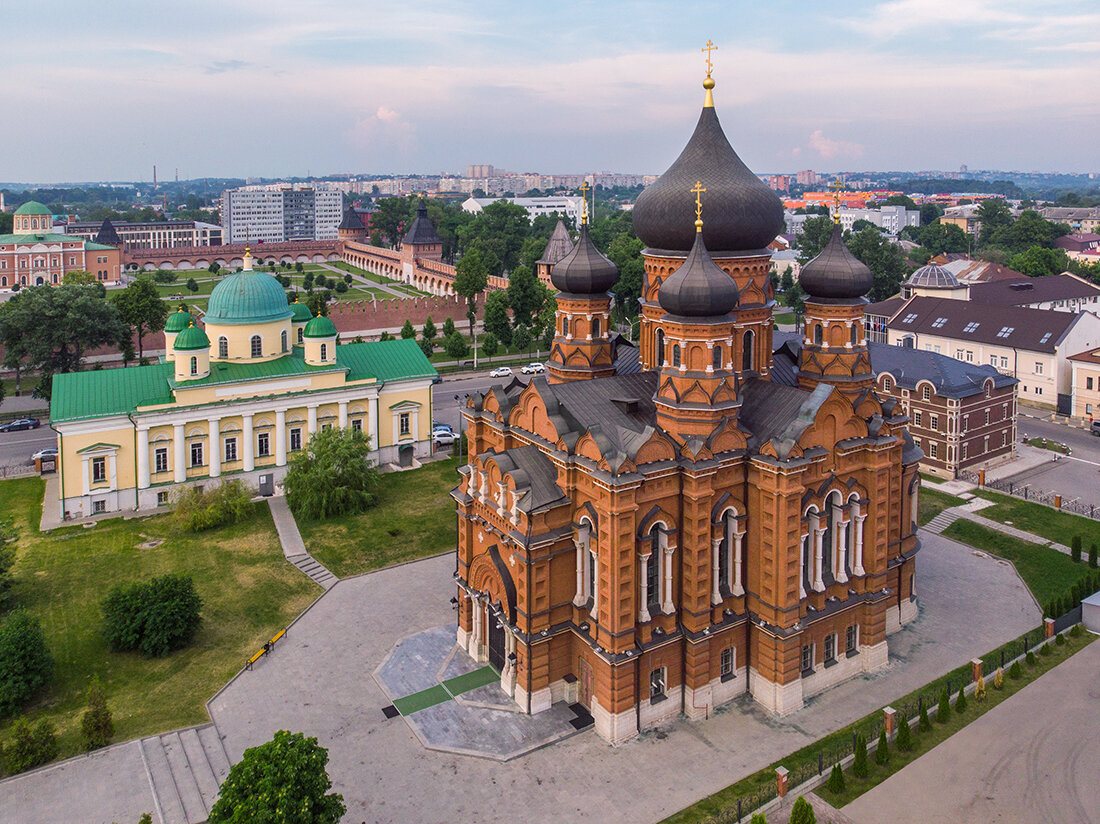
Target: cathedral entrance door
pixel 496 643
pixel 585 697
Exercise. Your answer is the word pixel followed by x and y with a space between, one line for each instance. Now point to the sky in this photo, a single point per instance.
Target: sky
pixel 251 88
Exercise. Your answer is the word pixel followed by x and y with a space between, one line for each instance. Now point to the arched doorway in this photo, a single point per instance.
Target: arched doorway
pixel 497 645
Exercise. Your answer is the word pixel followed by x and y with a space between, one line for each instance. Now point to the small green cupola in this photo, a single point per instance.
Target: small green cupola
pixel 320 341
pixel 192 354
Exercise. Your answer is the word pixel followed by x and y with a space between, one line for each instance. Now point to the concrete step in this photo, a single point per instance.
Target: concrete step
pixel 215 751
pixel 200 767
pixel 186 783
pixel 164 786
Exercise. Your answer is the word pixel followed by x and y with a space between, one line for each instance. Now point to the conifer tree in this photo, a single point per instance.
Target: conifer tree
pixel 924 725
pixel 904 740
pixel 859 765
pixel 943 714
pixel 882 751
pixel 960 702
pixel 836 783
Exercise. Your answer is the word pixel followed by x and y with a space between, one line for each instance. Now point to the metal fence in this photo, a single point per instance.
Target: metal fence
pixel 1040 496
pixel 1064 622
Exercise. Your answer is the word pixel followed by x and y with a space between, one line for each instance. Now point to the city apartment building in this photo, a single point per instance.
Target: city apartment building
pixel 165 234
pixel 1081 220
pixel 890 219
pixel 1063 293
pixel 265 214
pixel 570 206
pixel 33 254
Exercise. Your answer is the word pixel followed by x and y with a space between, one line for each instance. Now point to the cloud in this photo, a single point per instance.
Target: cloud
pixel 829 149
pixel 222 66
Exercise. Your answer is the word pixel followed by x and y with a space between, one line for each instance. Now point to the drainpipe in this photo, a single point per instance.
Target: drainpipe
pixel 530 645
pixel 60 468
pixel 137 490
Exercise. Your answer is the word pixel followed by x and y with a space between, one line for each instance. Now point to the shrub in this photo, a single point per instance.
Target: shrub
pixel 979 691
pixel 1060 640
pixel 25 662
pixel 1045 649
pixel 882 751
pixel 1015 671
pixel 340 287
pixel 904 740
pixel 407 331
pixel 229 502
pixel 30 747
pixel 1092 556
pixel 836 783
pixel 332 476
pixel 153 618
pixel 802 812
pixel 1030 658
pixel 448 327
pixel 924 725
pixel 998 680
pixel 97 726
pixel 1075 630
pixel 944 711
pixel 7 580
pixel 960 702
pixel 1075 549
pixel 758 818
pixel 859 765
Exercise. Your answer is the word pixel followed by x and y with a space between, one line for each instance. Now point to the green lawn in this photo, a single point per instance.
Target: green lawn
pixel 415 518
pixel 1048 573
pixel 1041 520
pixel 249 592
pixel 931 503
pixel 1052 445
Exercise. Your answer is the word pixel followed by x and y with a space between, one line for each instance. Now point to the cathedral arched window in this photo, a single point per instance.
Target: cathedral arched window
pixel 223 347
pixel 595 327
pixel 725 554
pixel 831 539
pixel 565 325
pixel 653 570
pixel 746 350
pixel 676 354
pixel 716 357
pixel 818 334
pixel 324 351
pixel 283 340
pixel 257 346
pixel 194 366
pixel 301 329
pixel 660 348
pixel 855 334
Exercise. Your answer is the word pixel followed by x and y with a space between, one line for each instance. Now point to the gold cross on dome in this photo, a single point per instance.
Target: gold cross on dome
pixel 584 194
pixel 698 190
pixel 708 48
pixel 836 186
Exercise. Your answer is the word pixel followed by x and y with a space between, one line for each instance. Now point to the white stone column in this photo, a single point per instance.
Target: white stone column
pixel 857 567
pixel 143 457
pixel 342 414
pixel 715 590
pixel 643 599
pixel 372 424
pixel 819 541
pixel 280 437
pixel 311 419
pixel 85 472
pixel 178 456
pixel 476 632
pixel 595 613
pixel 841 536
pixel 738 555
pixel 666 604
pixel 802 565
pixel 249 438
pixel 214 445
pixel 580 598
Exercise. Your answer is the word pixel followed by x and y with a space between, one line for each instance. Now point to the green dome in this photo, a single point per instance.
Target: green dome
pixel 33 207
pixel 191 338
pixel 247 297
pixel 301 312
pixel 320 327
pixel 178 321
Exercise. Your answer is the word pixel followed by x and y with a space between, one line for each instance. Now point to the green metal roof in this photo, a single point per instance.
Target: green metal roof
pixel 92 246
pixel 320 327
pixel 106 392
pixel 33 207
pixel 178 321
pixel 46 237
pixel 300 312
pixel 191 338
pixel 247 297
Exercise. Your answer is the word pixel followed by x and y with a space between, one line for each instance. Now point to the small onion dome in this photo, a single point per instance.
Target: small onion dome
pixel 584 271
pixel 698 288
pixel 301 313
pixel 178 321
pixel 933 277
pixel 191 338
pixel 744 214
pixel 320 327
pixel 836 273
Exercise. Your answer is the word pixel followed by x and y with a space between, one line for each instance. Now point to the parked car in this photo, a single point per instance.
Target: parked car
pixel 533 369
pixel 501 372
pixel 1095 428
pixel 443 438
pixel 441 427
pixel 19 424
pixel 42 454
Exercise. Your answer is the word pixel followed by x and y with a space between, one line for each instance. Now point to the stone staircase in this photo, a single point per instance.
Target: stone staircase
pixel 314 569
pixel 942 521
pixel 186 768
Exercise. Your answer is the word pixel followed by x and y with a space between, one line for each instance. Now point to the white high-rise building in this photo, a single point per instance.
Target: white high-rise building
pixel 275 215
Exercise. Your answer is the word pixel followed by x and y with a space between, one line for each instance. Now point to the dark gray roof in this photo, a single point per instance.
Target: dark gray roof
pixel 742 213
pixel 584 271
pixel 887 308
pixel 835 273
pixel 769 409
pixel 1025 290
pixel 351 221
pixel 698 288
pixel 559 245
pixel 107 234
pixel 533 471
pixel 1036 330
pixel 422 229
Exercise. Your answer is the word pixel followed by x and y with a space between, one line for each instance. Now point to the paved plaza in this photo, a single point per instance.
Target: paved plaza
pixel 320 681
pixel 1032 758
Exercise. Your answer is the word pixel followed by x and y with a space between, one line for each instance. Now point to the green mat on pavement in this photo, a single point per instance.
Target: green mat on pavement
pixel 422 700
pixel 471 680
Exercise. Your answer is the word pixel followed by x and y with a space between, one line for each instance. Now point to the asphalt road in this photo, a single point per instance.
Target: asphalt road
pixel 1080 441
pixel 16 448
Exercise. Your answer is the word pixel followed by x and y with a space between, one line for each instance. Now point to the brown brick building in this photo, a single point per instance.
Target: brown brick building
pixel 655 532
pixel 34 255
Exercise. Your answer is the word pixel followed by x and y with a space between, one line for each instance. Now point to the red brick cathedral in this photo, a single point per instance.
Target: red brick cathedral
pixel 654 531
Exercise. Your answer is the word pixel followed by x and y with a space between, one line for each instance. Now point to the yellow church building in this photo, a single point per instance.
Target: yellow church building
pixel 235 398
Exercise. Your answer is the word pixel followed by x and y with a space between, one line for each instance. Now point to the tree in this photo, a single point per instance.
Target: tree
pixel 332 476
pixel 385 336
pixel 317 303
pixel 8 535
pixel 500 228
pixel 455 346
pixel 164 276
pixel 426 346
pixel 1092 556
pixel 448 327
pixel 489 345
pixel 25 663
pixel 48 328
pixel 943 714
pixel 407 331
pixel 859 764
pixel 524 296
pixel 199 508
pixel 284 780
pixel 923 724
pixel 901 200
pixel 802 812
pixel 192 285
pixel 625 251
pixel 885 260
pixel 940 238
pixel 154 617
pixel 1075 549
pixel 140 307
pixel 836 783
pixel 979 690
pixel 521 337
pixel 904 739
pixel 929 213
pixel 471 278
pixel 882 751
pixel 30 747
pixel 813 237
pixel 376 238
pixel 496 318
pixel 786 282
pixel 993 215
pixel 214 268
pixel 960 702
pixel 1038 262
pixel 428 331
pixel 78 277
pixel 758 818
pixel 97 726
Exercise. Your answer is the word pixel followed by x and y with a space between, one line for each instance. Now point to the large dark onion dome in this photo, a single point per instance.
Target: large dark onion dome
pixel 698 288
pixel 743 214
pixel 584 271
pixel 836 273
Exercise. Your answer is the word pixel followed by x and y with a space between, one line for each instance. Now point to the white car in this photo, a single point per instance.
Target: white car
pixel 48 452
pixel 501 372
pixel 443 438
pixel 533 369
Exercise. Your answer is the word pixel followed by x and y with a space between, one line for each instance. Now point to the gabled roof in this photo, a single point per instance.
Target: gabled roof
pixel 1025 290
pixel 352 221
pixel 978 271
pixel 1036 330
pixel 422 229
pixel 559 245
pixel 888 307
pixel 1091 356
pixel 107 234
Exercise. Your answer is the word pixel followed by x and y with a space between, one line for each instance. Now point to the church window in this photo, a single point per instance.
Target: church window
pixel 194 366
pixel 676 355
pixel 565 325
pixel 592 578
pixel 851 639
pixel 595 327
pixel 295 439
pixel 716 358
pixel 854 335
pixel 818 334
pixel 657 684
pixel 160 459
pixel 300 331
pixel 230 449
pixel 404 424
pixel 660 348
pixel 653 570
pixel 724 555
pixel 99 470
pixel 808 659
pixel 223 347
pixel 196 453
pixel 257 346
pixel 263 445
pixel 728 663
pixel 746 350
pixel 324 351
pixel 830 649
pixel 283 340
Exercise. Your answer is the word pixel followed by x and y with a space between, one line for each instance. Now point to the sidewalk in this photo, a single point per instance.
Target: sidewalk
pixel 294 548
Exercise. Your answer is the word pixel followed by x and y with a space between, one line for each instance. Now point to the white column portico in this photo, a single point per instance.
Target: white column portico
pixel 178 457
pixel 280 437
pixel 372 423
pixel 579 598
pixel 311 419
pixel 342 414
pixel 248 437
pixel 819 541
pixel 840 536
pixel 215 449
pixel 143 457
pixel 738 558
pixel 715 590
pixel 643 612
pixel 666 604
pixel 857 565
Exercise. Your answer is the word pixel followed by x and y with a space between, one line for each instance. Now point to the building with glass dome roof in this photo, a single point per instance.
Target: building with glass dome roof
pixel 238 392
